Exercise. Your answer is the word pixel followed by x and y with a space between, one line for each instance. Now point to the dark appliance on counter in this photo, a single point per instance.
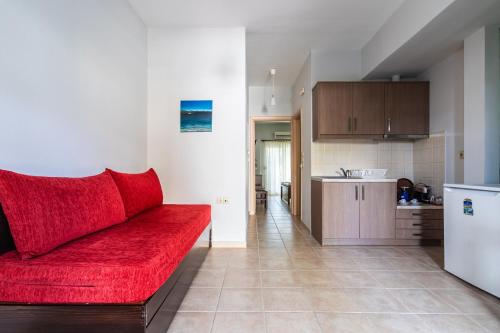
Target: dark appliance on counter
pixel 422 192
pixel 404 183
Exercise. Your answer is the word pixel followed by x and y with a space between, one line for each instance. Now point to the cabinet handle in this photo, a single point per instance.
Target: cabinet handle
pixel 363 192
pixel 349 124
pixel 389 124
pixel 419 234
pixel 355 124
pixel 356 192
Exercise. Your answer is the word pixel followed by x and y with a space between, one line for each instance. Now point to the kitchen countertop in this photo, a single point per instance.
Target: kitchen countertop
pixel 352 180
pixel 420 206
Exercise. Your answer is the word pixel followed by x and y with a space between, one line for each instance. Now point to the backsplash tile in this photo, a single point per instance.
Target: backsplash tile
pixel 429 162
pixel 396 157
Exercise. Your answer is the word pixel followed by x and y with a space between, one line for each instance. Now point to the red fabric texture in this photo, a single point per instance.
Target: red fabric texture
pixel 139 191
pixel 126 263
pixel 45 212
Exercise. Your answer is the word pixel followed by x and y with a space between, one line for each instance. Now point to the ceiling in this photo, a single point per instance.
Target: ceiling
pixel 280 33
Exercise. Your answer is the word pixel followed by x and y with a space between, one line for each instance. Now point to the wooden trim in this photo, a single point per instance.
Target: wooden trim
pixel 251 156
pixel 296 166
pixel 152 316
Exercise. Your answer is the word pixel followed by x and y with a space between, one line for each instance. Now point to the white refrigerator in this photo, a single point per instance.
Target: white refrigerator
pixel 472 234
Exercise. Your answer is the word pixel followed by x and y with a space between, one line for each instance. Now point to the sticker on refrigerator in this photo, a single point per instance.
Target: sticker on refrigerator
pixel 468 210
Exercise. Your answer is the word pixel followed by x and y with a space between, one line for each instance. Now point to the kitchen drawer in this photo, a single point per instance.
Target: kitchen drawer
pixel 419 214
pixel 418 234
pixel 418 224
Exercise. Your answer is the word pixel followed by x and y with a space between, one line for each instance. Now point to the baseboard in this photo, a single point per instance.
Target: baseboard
pixel 229 244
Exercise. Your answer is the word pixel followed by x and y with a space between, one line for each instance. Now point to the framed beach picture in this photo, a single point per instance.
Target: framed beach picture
pixel 196 116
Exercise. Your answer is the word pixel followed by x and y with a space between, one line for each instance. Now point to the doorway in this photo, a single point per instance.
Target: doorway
pixel 274 157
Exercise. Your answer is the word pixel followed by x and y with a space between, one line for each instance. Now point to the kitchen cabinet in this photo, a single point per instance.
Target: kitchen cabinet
pixel 370 110
pixel 353 213
pixel 423 225
pixel 377 211
pixel 333 108
pixel 407 108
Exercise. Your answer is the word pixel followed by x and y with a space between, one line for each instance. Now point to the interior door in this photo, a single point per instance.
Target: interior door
pixel 368 108
pixel 377 211
pixel 341 210
pixel 407 108
pixel 335 108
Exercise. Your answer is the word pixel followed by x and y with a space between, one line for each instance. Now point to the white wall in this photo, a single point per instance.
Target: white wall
pixel 481 106
pixel 447 110
pixel 406 21
pixel 259 98
pixel 72 87
pixel 199 167
pixel 304 104
pixel 333 65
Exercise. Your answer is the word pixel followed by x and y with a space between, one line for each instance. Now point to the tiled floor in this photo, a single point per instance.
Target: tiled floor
pixel 285 282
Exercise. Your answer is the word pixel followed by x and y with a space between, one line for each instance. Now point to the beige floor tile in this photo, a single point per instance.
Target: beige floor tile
pixel 290 322
pixel 273 253
pixel 308 264
pixel 314 278
pixel 439 280
pixel 451 324
pixel 467 300
pixel 271 244
pixel 280 279
pixel 241 278
pixel 373 264
pixel 238 322
pixel 240 299
pixel 354 300
pixel 192 322
pixel 490 321
pixel 283 263
pixel 285 299
pixel 340 264
pixel 422 301
pixel 200 299
pixel 384 252
pixel 342 322
pixel 392 279
pixel 209 278
pixel 249 262
pixel 411 265
pixel 396 323
pixel 353 279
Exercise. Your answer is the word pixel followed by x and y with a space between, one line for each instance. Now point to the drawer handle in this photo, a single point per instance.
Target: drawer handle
pixel 419 234
pixel 417 225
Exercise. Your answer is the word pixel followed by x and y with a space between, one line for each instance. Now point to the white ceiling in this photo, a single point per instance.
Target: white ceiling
pixel 280 33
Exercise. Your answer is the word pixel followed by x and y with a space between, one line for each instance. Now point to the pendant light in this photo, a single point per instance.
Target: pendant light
pixel 273 77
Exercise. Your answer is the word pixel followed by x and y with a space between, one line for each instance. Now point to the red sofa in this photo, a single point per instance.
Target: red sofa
pixel 89 245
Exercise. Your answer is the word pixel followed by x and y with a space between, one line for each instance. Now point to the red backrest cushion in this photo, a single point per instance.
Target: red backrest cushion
pixel 140 191
pixel 45 212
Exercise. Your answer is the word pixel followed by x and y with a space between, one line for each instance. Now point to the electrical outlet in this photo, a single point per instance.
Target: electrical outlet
pixel 222 200
pixel 461 154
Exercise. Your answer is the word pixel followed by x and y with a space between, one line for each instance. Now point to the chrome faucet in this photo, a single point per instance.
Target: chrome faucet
pixel 347 173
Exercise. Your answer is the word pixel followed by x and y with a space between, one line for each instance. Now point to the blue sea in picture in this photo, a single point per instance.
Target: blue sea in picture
pixel 196 116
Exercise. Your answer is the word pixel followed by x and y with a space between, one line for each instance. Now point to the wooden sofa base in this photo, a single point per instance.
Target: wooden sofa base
pixel 151 316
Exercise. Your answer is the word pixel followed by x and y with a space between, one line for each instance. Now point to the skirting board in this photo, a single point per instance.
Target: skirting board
pixel 226 244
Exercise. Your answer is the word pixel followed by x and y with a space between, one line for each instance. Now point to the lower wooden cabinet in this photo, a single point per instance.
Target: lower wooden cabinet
pixel 419 224
pixel 353 213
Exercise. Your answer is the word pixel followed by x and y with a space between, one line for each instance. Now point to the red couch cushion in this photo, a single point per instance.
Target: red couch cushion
pixel 126 263
pixel 140 191
pixel 45 212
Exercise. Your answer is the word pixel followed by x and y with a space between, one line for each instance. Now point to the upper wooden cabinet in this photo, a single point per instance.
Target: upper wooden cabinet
pixel 333 108
pixel 407 108
pixel 370 109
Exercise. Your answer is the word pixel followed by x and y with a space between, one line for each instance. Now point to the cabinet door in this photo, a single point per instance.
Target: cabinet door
pixel 341 210
pixel 407 108
pixel 334 108
pixel 377 210
pixel 368 108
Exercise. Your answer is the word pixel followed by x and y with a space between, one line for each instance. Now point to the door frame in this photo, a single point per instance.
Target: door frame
pixel 295 160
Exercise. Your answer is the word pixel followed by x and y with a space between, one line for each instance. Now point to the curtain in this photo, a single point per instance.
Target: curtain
pixel 277 165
